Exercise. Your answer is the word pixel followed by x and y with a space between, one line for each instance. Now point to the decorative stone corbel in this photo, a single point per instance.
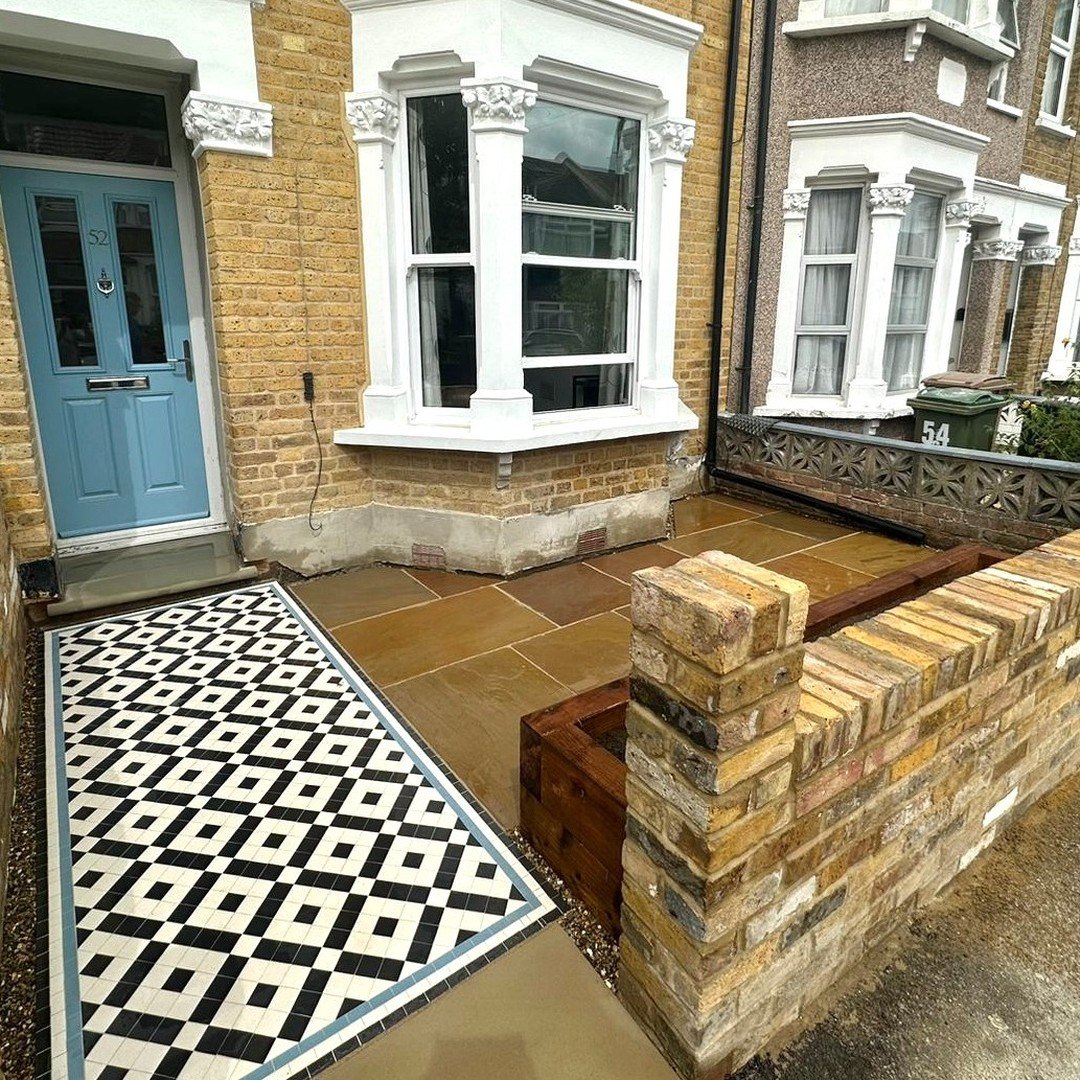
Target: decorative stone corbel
pixel 236 127
pixel 889 198
pixel 1074 245
pixel 671 140
pixel 958 214
pixel 998 250
pixel 498 104
pixel 795 202
pixel 1040 254
pixel 913 41
pixel 372 115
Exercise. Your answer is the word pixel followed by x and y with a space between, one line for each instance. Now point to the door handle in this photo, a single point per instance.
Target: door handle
pixel 189 365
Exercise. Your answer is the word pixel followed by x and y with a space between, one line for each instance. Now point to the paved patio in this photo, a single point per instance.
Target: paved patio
pixel 465 656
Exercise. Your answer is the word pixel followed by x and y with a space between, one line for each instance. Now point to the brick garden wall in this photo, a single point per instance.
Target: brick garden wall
pixel 12 631
pixel 789 805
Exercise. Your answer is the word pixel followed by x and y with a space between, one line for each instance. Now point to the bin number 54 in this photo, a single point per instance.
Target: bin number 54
pixel 935 434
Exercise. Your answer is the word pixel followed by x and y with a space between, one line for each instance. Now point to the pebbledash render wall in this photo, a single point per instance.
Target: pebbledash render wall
pixel 790 805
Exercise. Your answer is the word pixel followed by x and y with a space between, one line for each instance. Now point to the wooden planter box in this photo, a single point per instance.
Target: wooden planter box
pixel 573 787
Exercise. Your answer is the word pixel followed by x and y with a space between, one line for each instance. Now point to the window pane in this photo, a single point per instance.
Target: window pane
pixel 919 228
pixel 139 273
pixel 65 272
pixel 447 335
pixel 1055 74
pixel 903 360
pixel 954 9
pixel 439 173
pixel 910 300
pixel 832 226
pixel 1063 19
pixel 819 363
pixel 578 237
pixel 67 119
pixel 577 157
pixel 587 387
pixel 998 75
pixel 852 7
pixel 825 295
pixel 1006 20
pixel 568 311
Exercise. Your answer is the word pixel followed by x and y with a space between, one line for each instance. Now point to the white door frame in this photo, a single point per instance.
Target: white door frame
pixel 181 174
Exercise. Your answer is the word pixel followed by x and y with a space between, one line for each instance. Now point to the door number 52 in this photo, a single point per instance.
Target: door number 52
pixel 98 238
pixel 935 434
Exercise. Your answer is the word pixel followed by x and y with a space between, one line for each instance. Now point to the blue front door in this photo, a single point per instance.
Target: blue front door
pixel 100 289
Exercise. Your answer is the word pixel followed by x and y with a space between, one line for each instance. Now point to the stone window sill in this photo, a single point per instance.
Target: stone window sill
pixel 936 24
pixel 809 409
pixel 1055 127
pixel 1002 107
pixel 545 433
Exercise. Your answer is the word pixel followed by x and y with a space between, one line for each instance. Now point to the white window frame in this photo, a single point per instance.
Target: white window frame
pixel 922 262
pixel 595 56
pixel 633 267
pixel 854 305
pixel 1064 48
pixel 411 261
pixel 892 153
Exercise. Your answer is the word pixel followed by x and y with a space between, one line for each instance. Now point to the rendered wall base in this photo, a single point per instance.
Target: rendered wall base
pixel 412 536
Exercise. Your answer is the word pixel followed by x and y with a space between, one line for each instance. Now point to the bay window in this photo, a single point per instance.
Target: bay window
pixel 520 217
pixel 912 288
pixel 1059 61
pixel 828 287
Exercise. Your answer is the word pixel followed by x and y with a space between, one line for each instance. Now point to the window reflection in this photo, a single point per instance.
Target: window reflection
pixel 139 277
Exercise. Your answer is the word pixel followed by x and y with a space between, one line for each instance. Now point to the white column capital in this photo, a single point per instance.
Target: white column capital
pixel 996 250
pixel 795 203
pixel 373 116
pixel 237 127
pixel 1040 254
pixel 671 140
pixel 958 214
pixel 886 200
pixel 1074 245
pixel 498 104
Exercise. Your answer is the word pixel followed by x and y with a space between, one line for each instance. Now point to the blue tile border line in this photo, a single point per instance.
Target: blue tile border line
pixel 348 1031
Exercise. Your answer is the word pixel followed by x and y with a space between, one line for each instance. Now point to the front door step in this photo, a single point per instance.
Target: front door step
pixel 108 578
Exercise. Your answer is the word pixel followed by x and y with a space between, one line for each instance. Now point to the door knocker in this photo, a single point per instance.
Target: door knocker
pixel 105 284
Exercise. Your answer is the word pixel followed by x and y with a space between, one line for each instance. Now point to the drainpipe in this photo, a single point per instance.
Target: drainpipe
pixel 764 109
pixel 727 149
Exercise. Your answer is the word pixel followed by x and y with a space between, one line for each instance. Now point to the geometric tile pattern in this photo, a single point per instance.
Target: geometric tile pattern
pixel 254 865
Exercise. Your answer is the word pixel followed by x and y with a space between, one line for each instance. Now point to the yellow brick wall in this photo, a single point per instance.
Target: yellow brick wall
pixel 21 489
pixel 540 480
pixel 283 243
pixel 1056 159
pixel 283 251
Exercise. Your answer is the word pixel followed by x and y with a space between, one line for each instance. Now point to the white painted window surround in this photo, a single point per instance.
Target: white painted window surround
pixel 889 158
pixel 971 25
pixel 503 56
pixel 210 41
pixel 1059 64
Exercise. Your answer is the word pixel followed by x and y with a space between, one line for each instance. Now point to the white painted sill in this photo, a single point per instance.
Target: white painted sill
pixel 937 25
pixel 807 409
pixel 544 434
pixel 1055 127
pixel 1002 107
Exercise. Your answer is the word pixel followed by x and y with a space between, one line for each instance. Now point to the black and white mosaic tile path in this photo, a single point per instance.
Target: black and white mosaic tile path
pixel 253 865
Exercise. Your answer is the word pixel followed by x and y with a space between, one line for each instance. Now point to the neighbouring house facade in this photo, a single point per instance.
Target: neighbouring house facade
pixel 917 205
pixel 486 229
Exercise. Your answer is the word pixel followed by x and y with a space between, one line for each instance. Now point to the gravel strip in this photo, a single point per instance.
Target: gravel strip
pixel 18 979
